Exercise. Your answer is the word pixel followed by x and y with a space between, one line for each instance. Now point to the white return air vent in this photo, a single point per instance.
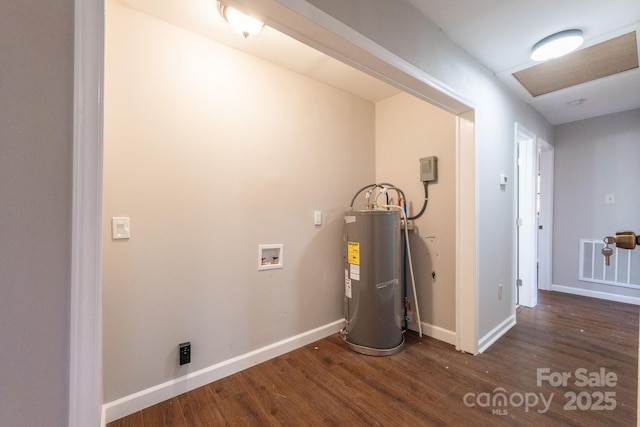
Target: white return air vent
pixel 623 270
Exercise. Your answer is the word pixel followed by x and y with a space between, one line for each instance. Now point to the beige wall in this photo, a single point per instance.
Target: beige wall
pixel 406 130
pixel 36 134
pixel 211 152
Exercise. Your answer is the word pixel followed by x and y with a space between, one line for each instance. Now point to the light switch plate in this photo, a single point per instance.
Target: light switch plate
pixel 317 217
pixel 120 227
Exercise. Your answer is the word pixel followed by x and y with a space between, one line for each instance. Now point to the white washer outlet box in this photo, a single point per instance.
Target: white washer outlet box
pixel 270 256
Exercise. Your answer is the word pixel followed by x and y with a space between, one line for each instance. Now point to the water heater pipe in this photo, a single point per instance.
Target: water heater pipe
pixel 371 188
pixel 413 281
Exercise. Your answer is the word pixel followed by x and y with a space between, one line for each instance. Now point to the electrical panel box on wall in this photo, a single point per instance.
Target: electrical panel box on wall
pixel 428 169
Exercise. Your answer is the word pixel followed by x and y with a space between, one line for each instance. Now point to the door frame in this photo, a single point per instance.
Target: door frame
pixel 526 283
pixel 545 219
pixel 85 321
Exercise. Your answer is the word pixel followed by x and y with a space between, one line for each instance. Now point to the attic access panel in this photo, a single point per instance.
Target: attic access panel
pixel 600 60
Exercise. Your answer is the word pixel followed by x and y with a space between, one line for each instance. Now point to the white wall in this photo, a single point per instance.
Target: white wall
pixel 399 28
pixel 407 129
pixel 211 152
pixel 594 157
pixel 36 133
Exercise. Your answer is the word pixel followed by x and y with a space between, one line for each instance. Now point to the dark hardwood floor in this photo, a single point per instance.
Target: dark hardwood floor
pixel 593 343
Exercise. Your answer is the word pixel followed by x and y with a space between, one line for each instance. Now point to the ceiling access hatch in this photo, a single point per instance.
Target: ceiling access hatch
pixel 594 62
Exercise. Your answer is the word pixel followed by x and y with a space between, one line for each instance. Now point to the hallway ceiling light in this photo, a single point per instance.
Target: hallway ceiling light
pixel 557 45
pixel 239 22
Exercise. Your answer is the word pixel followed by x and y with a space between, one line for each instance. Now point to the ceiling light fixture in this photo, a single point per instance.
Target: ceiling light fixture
pixel 241 23
pixel 557 45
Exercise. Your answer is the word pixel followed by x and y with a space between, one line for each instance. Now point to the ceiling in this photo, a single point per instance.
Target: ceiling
pixel 497 33
pixel 500 33
pixel 202 17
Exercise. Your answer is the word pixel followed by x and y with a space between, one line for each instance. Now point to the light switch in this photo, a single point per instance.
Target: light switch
pixel 317 217
pixel 120 227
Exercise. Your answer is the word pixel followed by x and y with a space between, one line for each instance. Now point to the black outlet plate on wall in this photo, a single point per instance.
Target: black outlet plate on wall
pixel 185 353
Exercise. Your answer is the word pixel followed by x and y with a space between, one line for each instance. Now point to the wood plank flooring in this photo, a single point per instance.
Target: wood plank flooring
pixel 429 383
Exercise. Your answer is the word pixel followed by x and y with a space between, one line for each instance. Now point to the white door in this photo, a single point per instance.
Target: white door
pixel 526 223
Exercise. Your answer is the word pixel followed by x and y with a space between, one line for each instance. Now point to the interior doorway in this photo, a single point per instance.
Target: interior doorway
pixel 86 326
pixel 534 216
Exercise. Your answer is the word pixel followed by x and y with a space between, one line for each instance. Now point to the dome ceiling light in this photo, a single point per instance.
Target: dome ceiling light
pixel 557 45
pixel 239 22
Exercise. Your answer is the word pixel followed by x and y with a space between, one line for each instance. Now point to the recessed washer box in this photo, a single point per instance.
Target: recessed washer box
pixel 270 256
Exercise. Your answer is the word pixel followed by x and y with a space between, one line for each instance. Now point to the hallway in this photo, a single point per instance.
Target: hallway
pixel 593 342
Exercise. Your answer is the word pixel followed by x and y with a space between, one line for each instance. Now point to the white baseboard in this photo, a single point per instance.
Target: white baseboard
pixel 596 294
pixel 435 332
pixel 143 399
pixel 493 335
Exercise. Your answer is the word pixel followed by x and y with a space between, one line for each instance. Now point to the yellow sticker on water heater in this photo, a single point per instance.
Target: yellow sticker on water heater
pixel 353 253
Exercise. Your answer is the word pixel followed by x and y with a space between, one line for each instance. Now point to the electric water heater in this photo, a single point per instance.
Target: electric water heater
pixel 373 290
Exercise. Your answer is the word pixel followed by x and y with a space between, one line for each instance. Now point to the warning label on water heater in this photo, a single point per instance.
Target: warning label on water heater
pixel 347 284
pixel 353 253
pixel 354 272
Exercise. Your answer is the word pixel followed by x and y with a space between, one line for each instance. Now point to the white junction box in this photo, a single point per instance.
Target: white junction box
pixel 428 169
